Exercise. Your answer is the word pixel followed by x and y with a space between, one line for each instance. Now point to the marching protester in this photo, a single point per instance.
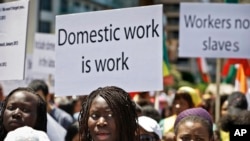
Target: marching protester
pixel 22 107
pixel 26 133
pixel 73 132
pixel 194 124
pixel 109 114
pixel 236 114
pixel 185 98
pixel 149 129
pixel 143 90
pixel 55 130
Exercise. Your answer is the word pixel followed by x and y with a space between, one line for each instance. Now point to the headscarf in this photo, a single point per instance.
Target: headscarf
pixel 194 112
pixel 193 93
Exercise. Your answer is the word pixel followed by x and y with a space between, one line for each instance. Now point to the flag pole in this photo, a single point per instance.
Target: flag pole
pixel 156 104
pixel 217 99
pixel 218 78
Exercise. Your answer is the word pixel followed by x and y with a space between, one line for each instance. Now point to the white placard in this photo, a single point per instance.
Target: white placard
pixel 13 27
pixel 214 30
pixel 44 53
pixel 9 85
pixel 121 47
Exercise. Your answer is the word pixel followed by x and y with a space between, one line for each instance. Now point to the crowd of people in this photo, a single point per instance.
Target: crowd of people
pixel 111 114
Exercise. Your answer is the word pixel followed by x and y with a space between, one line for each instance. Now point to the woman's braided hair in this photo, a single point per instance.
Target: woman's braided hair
pixel 123 108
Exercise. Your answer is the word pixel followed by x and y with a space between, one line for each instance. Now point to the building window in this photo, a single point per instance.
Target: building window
pixel 64 6
pixel 87 7
pixel 44 27
pixel 46 5
pixel 77 4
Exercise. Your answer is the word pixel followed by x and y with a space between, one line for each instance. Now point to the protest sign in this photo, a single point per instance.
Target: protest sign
pixel 44 53
pixel 214 30
pixel 13 27
pixel 121 47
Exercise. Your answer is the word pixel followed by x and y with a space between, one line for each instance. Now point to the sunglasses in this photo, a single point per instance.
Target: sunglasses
pixel 147 137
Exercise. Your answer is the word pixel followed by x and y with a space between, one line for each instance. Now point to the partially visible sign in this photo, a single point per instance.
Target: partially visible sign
pixel 13 27
pixel 44 53
pixel 214 30
pixel 9 85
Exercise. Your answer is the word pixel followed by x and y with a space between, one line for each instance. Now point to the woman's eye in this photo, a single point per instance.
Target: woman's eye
pixel 94 116
pixel 186 139
pixel 25 110
pixel 199 139
pixel 10 108
pixel 110 115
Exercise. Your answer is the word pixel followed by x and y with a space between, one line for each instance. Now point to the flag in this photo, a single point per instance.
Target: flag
pixel 231 74
pixel 241 80
pixel 166 66
pixel 203 69
pixel 231 62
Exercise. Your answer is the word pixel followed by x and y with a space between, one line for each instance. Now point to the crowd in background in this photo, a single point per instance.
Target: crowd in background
pixel 159 115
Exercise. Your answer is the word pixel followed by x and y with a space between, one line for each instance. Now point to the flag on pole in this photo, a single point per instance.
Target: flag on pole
pixel 203 69
pixel 166 66
pixel 232 61
pixel 231 74
pixel 241 80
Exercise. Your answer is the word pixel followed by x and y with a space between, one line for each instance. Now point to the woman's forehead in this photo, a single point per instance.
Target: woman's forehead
pixel 99 102
pixel 23 96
